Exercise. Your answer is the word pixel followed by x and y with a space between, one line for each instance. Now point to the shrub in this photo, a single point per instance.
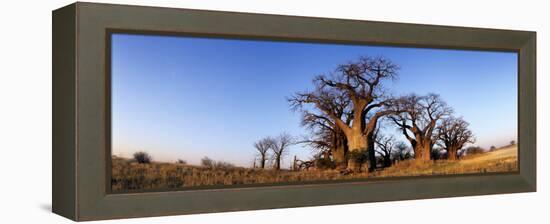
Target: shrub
pixel 474 150
pixel 324 163
pixel 181 161
pixel 207 162
pixel 212 164
pixel 224 165
pixel 438 154
pixel 360 156
pixel 142 157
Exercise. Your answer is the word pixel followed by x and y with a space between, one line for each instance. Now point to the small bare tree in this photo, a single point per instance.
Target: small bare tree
pixel 326 136
pixel 385 147
pixel 263 146
pixel 279 146
pixel 452 134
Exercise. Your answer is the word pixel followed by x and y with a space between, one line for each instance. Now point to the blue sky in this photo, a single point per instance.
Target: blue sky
pixel 182 97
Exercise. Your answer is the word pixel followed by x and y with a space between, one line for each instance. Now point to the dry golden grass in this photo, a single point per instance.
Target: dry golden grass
pixel 128 176
pixel 501 160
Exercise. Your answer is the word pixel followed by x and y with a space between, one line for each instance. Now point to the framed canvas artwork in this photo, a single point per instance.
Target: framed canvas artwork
pixel 202 111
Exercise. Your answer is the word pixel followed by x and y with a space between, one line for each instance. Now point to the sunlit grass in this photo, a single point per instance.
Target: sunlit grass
pixel 128 175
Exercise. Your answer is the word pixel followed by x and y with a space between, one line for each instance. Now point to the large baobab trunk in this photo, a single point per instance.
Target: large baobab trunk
pixel 339 148
pixel 422 152
pixel 357 140
pixel 452 154
pixel 362 140
pixel 357 144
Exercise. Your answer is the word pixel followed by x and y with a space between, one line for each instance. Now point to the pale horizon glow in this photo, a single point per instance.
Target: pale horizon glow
pixel 186 98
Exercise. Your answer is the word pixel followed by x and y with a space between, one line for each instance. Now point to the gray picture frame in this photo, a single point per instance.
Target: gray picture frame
pixel 81 110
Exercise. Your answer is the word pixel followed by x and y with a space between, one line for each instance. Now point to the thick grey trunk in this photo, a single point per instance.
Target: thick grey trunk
pixel 422 152
pixel 452 154
pixel 357 142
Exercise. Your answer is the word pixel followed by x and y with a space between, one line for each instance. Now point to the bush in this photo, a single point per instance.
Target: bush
pixel 181 161
pixel 207 162
pixel 142 157
pixel 438 154
pixel 224 165
pixel 324 164
pixel 472 150
pixel 358 156
pixel 212 164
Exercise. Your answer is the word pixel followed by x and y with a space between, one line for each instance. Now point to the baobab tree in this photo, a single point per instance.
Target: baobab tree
pixel 263 146
pixel 418 121
pixel 279 146
pixel 331 143
pixel 326 135
pixel 452 134
pixel 361 83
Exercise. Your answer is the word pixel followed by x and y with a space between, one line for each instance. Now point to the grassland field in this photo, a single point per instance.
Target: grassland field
pixel 128 175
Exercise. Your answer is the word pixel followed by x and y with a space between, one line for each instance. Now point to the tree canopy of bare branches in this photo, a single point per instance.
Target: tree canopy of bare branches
pixel 359 85
pixel 385 148
pixel 326 135
pixel 279 146
pixel 263 146
pixel 418 121
pixel 346 106
pixel 452 134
